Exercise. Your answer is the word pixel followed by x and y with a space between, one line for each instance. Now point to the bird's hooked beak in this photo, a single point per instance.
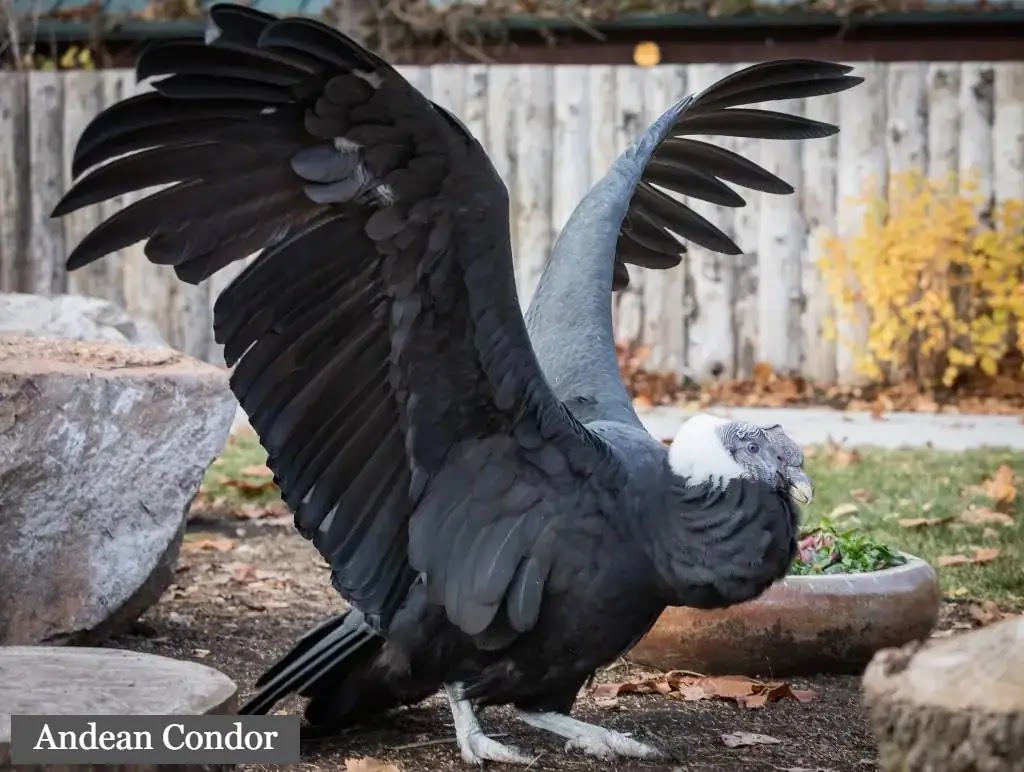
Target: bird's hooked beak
pixel 800 486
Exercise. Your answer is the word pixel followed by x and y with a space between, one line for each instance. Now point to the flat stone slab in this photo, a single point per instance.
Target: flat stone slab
pixel 47 680
pixel 815 426
pixel 102 448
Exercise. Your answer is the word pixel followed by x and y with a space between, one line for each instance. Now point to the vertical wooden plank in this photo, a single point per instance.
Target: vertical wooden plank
pixel 906 127
pixel 818 201
pixel 474 111
pixel 630 122
pixel 499 139
pixel 745 229
pixel 1008 131
pixel 83 100
pixel 14 182
pixel 862 169
pixel 780 244
pixel 46 140
pixel 604 148
pixel 666 312
pixel 570 177
pixel 448 87
pixel 533 118
pixel 975 142
pixel 418 76
pixel 147 290
pixel 711 342
pixel 943 120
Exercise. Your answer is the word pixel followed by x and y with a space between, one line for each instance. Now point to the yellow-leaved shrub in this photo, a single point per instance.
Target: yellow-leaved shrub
pixel 939 282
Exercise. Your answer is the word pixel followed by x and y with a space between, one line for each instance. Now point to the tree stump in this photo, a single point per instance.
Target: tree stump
pixel 45 680
pixel 955 704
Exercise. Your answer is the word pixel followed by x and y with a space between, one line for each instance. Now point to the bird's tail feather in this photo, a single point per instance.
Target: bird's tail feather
pixel 331 649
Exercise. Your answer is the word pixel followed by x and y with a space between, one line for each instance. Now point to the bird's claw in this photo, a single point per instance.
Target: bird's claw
pixel 607 744
pixel 478 748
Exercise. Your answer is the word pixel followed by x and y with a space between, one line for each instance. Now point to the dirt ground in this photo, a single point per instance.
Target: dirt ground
pixel 247 588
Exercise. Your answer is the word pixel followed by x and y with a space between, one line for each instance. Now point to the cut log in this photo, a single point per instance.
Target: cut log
pixel 44 680
pixel 955 704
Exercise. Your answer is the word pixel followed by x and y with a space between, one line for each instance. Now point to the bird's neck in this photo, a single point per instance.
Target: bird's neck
pixel 716 546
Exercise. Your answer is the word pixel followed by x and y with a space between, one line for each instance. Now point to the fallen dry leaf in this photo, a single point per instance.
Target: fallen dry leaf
pixel 841 457
pixel 984 516
pixel 217 544
pixel 862 494
pixel 251 488
pixel 1001 488
pixel 368 764
pixel 257 470
pixel 740 739
pixel 986 612
pixel 688 686
pixel 981 555
pixel 611 703
pixel 843 510
pixel 922 522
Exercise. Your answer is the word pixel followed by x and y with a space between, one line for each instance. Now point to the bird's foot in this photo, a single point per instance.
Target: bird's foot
pixel 590 739
pixel 607 744
pixel 476 748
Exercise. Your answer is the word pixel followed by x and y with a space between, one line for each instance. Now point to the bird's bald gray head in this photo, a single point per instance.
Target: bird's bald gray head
pixel 709 448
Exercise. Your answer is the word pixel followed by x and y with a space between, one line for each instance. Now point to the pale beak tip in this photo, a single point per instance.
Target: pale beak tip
pixel 802 493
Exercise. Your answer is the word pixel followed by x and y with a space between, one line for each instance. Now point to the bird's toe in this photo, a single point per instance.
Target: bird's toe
pixel 479 748
pixel 607 744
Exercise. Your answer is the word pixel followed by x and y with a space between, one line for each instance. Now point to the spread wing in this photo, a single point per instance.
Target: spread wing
pixel 378 344
pixel 691 167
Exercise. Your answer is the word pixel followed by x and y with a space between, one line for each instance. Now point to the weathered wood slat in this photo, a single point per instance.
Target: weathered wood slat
pixel 780 243
pixel 666 321
pixel 906 125
pixel 46 178
pixel 83 99
pixel 503 80
pixel 630 120
pixel 570 177
pixel 15 268
pixel 533 120
pixel 943 120
pixel 975 141
pixel 818 203
pixel 745 229
pixel 448 87
pixel 1008 131
pixel 474 110
pixel 862 170
pixel 707 285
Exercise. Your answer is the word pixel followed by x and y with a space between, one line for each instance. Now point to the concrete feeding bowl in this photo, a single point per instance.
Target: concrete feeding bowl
pixel 824 623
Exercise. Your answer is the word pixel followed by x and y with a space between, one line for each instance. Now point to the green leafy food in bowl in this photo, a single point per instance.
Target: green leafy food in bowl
pixel 824 550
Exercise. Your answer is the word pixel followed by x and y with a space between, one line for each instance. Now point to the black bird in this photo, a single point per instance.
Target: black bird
pixel 490 505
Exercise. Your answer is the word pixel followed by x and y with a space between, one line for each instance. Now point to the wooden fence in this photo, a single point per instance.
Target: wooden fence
pixel 552 132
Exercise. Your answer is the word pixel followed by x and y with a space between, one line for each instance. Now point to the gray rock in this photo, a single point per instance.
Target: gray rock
pixel 73 317
pixel 102 449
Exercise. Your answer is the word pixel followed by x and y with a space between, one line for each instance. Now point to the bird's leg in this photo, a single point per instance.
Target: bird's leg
pixel 474 745
pixel 592 740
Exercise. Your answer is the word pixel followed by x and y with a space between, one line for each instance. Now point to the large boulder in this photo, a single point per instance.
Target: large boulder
pixel 102 448
pixel 73 317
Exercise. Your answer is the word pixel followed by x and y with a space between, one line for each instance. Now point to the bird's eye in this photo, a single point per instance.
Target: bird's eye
pixel 753 448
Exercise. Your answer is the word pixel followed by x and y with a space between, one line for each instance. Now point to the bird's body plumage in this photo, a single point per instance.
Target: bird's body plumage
pixel 486 497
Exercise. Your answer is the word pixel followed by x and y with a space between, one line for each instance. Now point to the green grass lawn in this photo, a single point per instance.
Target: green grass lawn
pixel 884 487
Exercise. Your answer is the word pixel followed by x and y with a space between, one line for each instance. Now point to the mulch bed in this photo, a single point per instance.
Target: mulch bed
pixel 248 587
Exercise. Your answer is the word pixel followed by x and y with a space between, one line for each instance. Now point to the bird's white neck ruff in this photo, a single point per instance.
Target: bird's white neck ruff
pixel 698 454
